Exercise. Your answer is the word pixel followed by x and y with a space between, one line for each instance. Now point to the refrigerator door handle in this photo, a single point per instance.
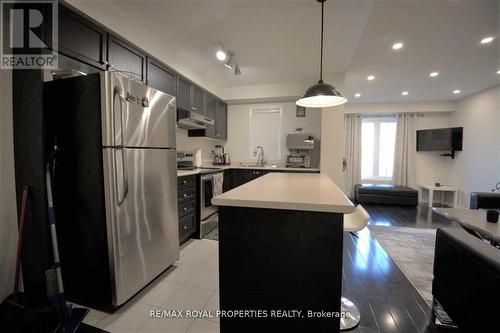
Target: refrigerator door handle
pixel 118 122
pixel 121 172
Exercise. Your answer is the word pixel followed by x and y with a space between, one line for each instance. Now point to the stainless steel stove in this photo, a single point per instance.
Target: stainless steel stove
pixel 185 161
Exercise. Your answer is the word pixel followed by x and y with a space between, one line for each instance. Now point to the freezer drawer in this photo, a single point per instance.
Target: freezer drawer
pixel 141 213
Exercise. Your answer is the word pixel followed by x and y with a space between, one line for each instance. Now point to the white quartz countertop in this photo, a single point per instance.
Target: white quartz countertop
pixel 294 191
pixel 181 173
pixel 235 166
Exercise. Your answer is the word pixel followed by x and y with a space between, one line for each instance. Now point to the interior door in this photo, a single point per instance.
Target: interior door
pixel 141 214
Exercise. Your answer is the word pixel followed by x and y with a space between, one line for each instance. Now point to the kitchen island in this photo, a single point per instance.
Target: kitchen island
pixel 280 254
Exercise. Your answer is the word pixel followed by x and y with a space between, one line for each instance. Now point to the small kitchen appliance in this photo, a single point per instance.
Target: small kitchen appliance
pixel 300 146
pixel 218 156
pixel 227 159
pixel 298 160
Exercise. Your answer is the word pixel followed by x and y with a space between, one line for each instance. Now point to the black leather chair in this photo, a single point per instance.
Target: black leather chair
pixel 486 200
pixel 467 280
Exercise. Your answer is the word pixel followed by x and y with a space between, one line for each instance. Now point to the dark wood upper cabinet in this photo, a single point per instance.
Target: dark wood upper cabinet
pixel 197 100
pixel 126 59
pixel 183 93
pixel 81 39
pixel 210 112
pixel 160 77
pixel 221 121
pixel 216 110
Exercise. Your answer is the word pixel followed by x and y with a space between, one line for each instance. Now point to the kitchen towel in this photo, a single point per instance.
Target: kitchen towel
pixel 217 180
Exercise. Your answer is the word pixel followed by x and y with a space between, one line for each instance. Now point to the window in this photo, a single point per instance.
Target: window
pixel 265 131
pixel 378 138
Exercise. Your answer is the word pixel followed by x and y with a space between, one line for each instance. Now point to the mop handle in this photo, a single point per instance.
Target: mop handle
pixel 22 217
pixel 53 233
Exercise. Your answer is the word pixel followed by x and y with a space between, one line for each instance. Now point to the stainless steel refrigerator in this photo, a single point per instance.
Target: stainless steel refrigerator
pixel 115 184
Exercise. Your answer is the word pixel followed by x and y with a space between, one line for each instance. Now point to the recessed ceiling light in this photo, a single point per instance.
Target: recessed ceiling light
pixel 434 74
pixel 397 46
pixel 370 77
pixel 487 40
pixel 357 95
pixel 498 71
pixel 404 93
pixel 221 55
pixel 457 91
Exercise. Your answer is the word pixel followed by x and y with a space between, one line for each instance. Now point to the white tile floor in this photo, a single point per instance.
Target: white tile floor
pixel 190 284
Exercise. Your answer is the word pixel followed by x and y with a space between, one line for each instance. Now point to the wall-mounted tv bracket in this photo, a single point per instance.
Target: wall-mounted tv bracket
pixel 450 154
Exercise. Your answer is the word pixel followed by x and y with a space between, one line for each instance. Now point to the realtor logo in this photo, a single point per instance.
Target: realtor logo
pixel 29 34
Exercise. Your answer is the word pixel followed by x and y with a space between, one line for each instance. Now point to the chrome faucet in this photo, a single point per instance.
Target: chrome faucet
pixel 261 161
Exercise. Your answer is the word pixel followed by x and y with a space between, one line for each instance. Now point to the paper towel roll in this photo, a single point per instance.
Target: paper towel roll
pixel 197 157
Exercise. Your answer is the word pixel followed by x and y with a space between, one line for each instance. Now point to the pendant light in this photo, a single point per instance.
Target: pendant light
pixel 321 94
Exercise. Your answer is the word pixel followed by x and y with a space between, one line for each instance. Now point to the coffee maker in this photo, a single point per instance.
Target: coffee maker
pixel 219 157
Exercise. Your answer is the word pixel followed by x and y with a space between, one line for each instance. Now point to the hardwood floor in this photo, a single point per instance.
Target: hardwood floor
pixel 386 299
pixel 416 217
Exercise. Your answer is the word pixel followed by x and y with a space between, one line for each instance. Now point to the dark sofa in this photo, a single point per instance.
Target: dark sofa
pixel 486 200
pixel 467 280
pixel 387 194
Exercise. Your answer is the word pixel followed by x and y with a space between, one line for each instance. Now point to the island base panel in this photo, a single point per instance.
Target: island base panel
pixel 281 260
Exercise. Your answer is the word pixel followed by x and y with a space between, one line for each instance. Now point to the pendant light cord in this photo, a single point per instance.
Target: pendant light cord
pixel 321 59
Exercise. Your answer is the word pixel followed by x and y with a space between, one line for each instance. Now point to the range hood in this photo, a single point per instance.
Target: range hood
pixel 191 120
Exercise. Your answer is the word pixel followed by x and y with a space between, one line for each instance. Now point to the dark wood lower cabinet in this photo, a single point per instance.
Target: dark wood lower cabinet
pixel 237 177
pixel 242 176
pixel 187 226
pixel 187 198
pixel 280 260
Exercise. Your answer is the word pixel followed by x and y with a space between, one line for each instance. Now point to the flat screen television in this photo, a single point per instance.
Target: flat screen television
pixel 440 139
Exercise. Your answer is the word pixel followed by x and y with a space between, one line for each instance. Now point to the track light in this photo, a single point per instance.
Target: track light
pixel 221 55
pixel 229 63
pixel 227 56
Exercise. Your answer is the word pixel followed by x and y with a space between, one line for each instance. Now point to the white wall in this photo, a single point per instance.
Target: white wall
pixel 477 167
pixel 239 128
pixel 207 145
pixel 8 215
pixel 332 144
pixel 431 168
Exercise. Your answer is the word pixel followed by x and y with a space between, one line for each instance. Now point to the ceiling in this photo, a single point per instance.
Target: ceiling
pixel 277 42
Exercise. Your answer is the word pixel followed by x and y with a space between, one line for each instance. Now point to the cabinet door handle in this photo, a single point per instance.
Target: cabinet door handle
pixel 185 209
pixel 185 195
pixel 185 182
pixel 185 227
